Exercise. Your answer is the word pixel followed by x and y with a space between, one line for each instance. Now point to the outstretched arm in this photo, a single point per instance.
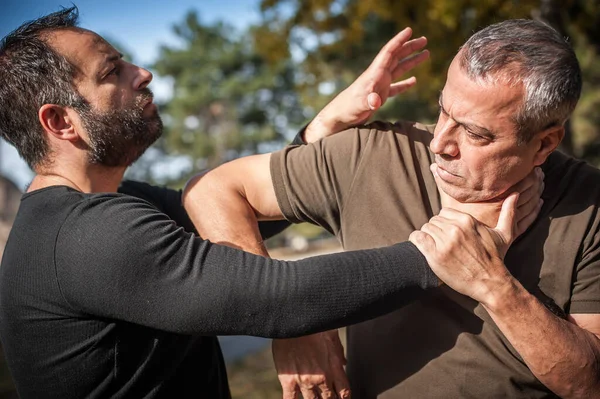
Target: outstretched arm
pixel 357 103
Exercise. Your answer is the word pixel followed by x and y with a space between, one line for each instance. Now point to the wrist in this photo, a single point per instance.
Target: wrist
pixel 501 294
pixel 324 125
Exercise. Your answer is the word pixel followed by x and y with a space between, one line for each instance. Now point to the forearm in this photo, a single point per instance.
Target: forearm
pixel 563 356
pixel 324 124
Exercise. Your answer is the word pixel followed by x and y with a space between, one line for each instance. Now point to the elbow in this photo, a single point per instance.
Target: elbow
pixel 198 186
pixel 584 384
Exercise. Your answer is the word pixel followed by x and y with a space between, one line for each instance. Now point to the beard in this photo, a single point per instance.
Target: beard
pixel 119 137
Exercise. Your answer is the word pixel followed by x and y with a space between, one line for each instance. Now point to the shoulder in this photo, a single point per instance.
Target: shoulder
pixel 567 178
pixel 396 134
pixel 402 133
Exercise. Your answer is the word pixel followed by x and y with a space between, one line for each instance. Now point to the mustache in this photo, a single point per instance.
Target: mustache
pixel 144 97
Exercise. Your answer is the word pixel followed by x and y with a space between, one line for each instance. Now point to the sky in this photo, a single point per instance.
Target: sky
pixel 140 26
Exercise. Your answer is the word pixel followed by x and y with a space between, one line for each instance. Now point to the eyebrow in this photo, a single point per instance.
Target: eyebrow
pixel 480 130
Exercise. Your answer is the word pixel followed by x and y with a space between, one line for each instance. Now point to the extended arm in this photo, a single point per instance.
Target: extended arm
pixel 148 271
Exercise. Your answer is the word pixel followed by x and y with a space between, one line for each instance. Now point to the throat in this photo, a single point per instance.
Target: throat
pixel 485 212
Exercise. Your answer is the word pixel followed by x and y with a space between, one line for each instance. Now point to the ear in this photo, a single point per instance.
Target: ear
pixel 548 140
pixel 57 122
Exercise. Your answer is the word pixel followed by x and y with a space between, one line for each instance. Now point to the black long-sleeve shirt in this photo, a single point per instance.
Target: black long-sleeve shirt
pixel 104 295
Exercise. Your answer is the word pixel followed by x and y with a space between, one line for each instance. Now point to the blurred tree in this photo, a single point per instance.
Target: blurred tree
pixel 335 40
pixel 227 98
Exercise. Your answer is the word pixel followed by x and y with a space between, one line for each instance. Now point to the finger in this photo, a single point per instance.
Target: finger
pixel 452 216
pixel 524 223
pixel 529 187
pixel 388 52
pixel 290 391
pixel 340 383
pixel 506 221
pixel 525 209
pixel 423 241
pixel 402 86
pixel 308 393
pixel 409 63
pixel 374 101
pixel 410 47
pixel 326 392
pixel 435 230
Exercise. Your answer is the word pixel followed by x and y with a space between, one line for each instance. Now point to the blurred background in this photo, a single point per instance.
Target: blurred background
pixel 237 77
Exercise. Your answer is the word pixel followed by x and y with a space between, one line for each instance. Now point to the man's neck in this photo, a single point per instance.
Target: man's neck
pixel 485 212
pixel 90 179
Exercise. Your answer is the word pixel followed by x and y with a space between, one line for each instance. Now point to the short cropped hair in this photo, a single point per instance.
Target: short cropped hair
pixel 533 54
pixel 33 74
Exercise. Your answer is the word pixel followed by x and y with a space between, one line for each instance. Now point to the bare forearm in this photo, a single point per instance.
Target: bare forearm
pixel 324 124
pixel 563 356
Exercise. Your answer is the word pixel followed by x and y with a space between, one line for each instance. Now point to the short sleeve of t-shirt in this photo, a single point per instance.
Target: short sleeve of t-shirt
pixel 585 296
pixel 311 180
pixel 314 183
pixel 586 287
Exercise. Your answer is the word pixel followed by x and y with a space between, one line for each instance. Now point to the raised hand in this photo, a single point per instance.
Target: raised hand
pixel 372 88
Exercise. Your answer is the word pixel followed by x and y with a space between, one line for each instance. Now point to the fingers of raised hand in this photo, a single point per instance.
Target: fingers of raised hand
pixel 409 62
pixel 402 86
pixel 392 47
pixel 410 47
pixel 397 42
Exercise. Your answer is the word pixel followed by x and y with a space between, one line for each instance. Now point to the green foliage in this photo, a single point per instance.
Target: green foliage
pixel 228 98
pixel 339 38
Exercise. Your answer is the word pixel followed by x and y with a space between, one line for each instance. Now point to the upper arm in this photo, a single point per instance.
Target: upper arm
pixel 164 199
pixel 247 178
pixel 312 183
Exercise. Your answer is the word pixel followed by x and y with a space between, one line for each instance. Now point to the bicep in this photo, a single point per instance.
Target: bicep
pixel 258 187
pixel 247 179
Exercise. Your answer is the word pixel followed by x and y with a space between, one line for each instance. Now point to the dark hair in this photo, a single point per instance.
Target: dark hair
pixel 33 74
pixel 533 54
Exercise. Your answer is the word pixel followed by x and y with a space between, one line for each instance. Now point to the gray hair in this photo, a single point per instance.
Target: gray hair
pixel 533 54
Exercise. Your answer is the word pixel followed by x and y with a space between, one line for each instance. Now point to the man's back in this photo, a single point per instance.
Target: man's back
pixel 443 345
pixel 55 344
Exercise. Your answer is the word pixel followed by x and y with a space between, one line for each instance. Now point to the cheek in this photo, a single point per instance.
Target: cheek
pixel 500 174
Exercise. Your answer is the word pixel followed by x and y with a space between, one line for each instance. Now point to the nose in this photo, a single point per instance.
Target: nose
pixel 142 79
pixel 444 140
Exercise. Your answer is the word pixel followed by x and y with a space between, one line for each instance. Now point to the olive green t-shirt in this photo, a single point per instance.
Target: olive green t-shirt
pixel 371 187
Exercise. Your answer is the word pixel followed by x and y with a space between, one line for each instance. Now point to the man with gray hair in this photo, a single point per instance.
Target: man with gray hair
pixel 524 325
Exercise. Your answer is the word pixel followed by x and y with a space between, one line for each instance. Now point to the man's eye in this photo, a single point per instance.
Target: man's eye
pixel 114 71
pixel 475 136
